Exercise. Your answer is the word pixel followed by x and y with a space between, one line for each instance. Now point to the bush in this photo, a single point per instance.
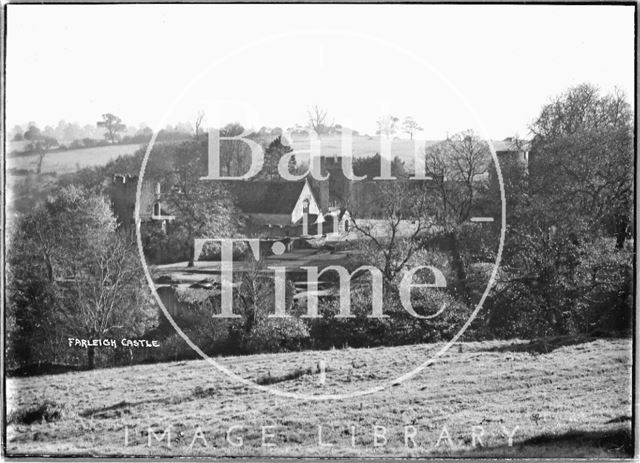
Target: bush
pixel 256 332
pixel 407 329
pixel 398 329
pixel 173 348
pixel 568 288
pixel 273 335
pixel 252 332
pixel 47 411
pixel 76 144
pixel 606 275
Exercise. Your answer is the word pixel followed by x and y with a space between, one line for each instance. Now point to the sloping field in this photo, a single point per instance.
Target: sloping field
pixel 362 146
pixel 63 162
pixel 572 401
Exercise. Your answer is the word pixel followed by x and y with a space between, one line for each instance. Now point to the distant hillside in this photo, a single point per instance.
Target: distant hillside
pixel 14 147
pixel 62 162
pixel 363 146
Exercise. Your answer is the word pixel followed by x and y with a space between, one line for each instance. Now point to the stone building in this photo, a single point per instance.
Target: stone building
pixel 279 208
pixel 122 193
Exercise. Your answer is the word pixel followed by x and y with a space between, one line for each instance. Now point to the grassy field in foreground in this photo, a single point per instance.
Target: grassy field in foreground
pixel 574 399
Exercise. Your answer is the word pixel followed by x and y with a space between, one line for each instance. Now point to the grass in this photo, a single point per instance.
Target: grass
pixel 46 411
pixel 63 162
pixel 267 379
pixel 362 146
pixel 24 189
pixel 564 403
pixel 572 444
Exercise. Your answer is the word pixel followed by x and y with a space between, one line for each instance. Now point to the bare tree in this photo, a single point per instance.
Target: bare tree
pixel 410 126
pixel 392 237
pixel 318 120
pixel 199 208
pixel 102 295
pixel 40 144
pixel 582 161
pixel 88 272
pixel 235 155
pixel 458 167
pixel 198 122
pixel 42 147
pixel 387 125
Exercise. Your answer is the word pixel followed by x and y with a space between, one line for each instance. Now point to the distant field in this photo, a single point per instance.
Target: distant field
pixel 363 146
pixel 63 162
pixel 568 399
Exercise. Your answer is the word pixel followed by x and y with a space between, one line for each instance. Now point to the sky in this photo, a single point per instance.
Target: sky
pixel 489 68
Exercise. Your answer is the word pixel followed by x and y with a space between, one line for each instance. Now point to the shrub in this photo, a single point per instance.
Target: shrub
pixel 47 411
pixel 173 348
pixel 399 328
pixel 565 288
pixel 252 332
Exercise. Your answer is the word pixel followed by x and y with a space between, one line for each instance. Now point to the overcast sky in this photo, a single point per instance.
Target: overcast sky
pixel 489 68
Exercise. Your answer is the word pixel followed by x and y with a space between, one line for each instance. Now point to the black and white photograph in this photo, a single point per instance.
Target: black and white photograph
pixel 319 230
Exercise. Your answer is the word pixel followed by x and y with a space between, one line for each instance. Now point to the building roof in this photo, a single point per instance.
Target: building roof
pixel 265 196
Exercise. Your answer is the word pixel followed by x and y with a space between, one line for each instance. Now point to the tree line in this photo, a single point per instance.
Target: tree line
pixel 566 267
